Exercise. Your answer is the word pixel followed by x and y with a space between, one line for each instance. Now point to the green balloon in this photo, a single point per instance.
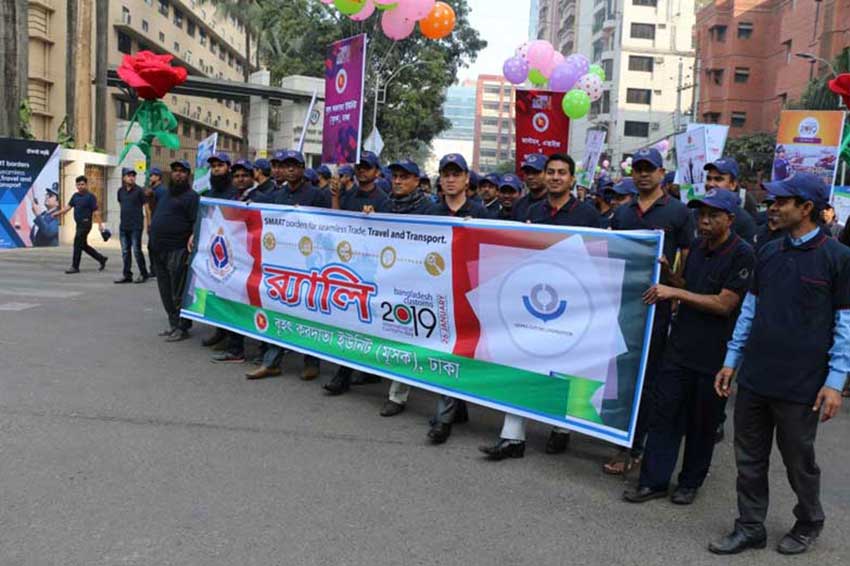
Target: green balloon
pixel 576 104
pixel 349 7
pixel 536 77
pixel 598 71
pixel 386 7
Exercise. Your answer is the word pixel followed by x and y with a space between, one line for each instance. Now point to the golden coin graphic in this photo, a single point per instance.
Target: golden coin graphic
pixel 305 246
pixel 344 251
pixel 435 264
pixel 388 257
pixel 269 241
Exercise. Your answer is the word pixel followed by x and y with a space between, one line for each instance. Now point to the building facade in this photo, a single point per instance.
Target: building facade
pixel 756 56
pixel 556 23
pixel 494 140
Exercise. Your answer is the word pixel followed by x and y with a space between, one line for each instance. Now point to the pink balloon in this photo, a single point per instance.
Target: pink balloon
pixel 365 13
pixel 522 51
pixel 540 53
pixel 397 25
pixel 327 1
pixel 417 9
pixel 556 60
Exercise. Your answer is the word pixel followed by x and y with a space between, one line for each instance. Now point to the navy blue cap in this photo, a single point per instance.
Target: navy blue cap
pixel 535 161
pixel 263 165
pixel 454 159
pixel 725 166
pixel 510 180
pixel 156 171
pixel 650 155
pixel 324 171
pixel 311 176
pixel 53 190
pixel 720 199
pixel 406 165
pixel 803 185
pixel 492 178
pixel 474 180
pixel 383 184
pixel 243 164
pixel 288 155
pixel 625 187
pixel 181 163
pixel 369 159
pixel 603 183
pixel 669 178
pixel 424 177
pixel 220 156
pixel 346 170
pixel 128 171
pixel 386 173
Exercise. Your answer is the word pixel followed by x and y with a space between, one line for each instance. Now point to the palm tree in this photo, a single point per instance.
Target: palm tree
pixel 14 64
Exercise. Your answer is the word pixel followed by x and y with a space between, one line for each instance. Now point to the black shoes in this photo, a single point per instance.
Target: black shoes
pixel 798 541
pixel 72 270
pixel 643 494
pixel 558 442
pixel 141 279
pixel 684 495
pixel 123 280
pixel 504 449
pixel 178 336
pixel 337 386
pixel 228 358
pixel 365 379
pixel 103 264
pixel 736 542
pixel 166 332
pixel 391 409
pixel 439 433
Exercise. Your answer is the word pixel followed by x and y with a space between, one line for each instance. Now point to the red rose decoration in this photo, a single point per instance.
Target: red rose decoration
pixel 151 75
pixel 841 85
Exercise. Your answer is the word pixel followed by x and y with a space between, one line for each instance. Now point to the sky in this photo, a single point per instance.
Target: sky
pixel 504 24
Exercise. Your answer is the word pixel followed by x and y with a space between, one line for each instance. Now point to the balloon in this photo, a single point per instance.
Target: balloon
pixel 536 77
pixel 606 164
pixel 349 7
pixel 386 4
pixel 540 53
pixel 663 146
pixel 327 1
pixel 592 85
pixel 515 70
pixel 598 71
pixel 365 13
pixel 563 77
pixel 576 104
pixel 439 23
pixel 522 50
pixel 418 9
pixel 397 25
pixel 556 60
pixel 582 62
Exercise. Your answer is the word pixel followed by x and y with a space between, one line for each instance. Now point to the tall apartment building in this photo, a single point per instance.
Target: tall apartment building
pixel 646 48
pixel 494 123
pixel 556 23
pixel 750 59
pixel 459 109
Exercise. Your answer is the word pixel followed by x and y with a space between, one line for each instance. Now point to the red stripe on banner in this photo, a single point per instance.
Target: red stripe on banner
pixel 253 220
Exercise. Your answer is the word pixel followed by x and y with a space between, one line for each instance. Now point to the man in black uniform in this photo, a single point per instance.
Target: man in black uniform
pixel 346 179
pixel 243 179
pixel 172 226
pixel 717 275
pixel 488 189
pixel 768 231
pixel 791 345
pixel 154 192
pixel 534 171
pixel 603 192
pixel 723 175
pixel 510 187
pixel 264 186
pixel 132 201
pixel 221 182
pixel 86 210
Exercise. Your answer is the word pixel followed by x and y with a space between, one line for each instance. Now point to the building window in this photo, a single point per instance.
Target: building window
pixel 711 117
pixel 636 129
pixel 187 129
pixel 190 28
pixel 606 101
pixel 783 99
pixel 202 36
pixel 638 96
pixel 745 30
pixel 608 67
pixel 213 47
pixel 742 74
pixel 125 45
pixel 738 119
pixel 178 18
pixel 161 37
pixel 715 75
pixel 717 33
pixel 787 46
pixel 643 31
pixel 652 3
pixel 230 59
pixel 598 47
pixel 125 15
pixel 176 48
pixel 145 25
pixel 640 63
pixel 163 7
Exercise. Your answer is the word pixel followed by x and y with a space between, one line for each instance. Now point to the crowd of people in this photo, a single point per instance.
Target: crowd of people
pixel 758 296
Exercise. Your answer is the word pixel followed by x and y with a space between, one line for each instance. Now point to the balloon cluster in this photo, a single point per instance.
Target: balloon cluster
pixel 538 62
pixel 436 19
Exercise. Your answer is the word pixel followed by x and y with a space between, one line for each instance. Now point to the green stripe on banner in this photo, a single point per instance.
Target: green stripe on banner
pixel 551 396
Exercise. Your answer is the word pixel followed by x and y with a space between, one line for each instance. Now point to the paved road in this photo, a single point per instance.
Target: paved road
pixel 119 449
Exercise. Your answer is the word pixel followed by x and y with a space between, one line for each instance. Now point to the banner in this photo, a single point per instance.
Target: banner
pixel 715 139
pixel 28 169
pixel 808 141
pixel 541 321
pixel 691 158
pixel 541 125
pixel 206 149
pixel 345 73
pixel 841 203
pixel 593 145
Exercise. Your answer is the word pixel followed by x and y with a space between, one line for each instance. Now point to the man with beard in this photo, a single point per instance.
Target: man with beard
pixel 559 208
pixel 533 168
pixel 172 226
pixel 221 183
pixel 132 200
pixel 510 187
pixel 488 189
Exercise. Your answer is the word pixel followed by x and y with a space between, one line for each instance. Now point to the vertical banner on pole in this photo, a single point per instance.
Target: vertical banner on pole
pixel 593 145
pixel 541 125
pixel 206 149
pixel 345 74
pixel 691 158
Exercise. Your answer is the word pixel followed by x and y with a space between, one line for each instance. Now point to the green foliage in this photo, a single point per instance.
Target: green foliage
pixel 63 136
pixel 817 95
pixel 25 117
pixel 505 167
pixel 754 154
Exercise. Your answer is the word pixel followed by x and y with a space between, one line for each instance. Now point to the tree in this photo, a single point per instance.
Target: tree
pixel 817 95
pixel 754 154
pixel 14 64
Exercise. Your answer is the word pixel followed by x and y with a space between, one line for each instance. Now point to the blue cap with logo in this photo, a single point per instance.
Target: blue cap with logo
pixel 492 178
pixel 625 187
pixel 369 159
pixel 720 199
pixel 324 171
pixel 156 171
pixel 406 165
pixel 243 164
pixel 181 163
pixel 128 171
pixel 455 159
pixel 288 155
pixel 510 181
pixel 802 185
pixel 346 171
pixel 263 165
pixel 53 190
pixel 535 162
pixel 220 156
pixel 724 166
pixel 474 180
pixel 311 176
pixel 649 155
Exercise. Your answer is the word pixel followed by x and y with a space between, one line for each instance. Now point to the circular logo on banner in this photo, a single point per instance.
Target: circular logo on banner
pixel 402 314
pixel 435 264
pixel 540 122
pixel 388 257
pixel 341 81
pixel 305 246
pixel 809 127
pixel 220 263
pixel 269 241
pixel 344 251
pixel 261 321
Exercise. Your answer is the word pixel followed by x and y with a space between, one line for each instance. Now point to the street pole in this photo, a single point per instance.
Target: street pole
pixel 679 99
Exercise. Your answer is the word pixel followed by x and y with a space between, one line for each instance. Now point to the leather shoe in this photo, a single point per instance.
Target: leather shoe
pixel 177 336
pixel 72 270
pixel 336 386
pixel 684 495
pixel 391 409
pixel 439 433
pixel 263 373
pixel 310 372
pixel 504 449
pixel 558 442
pixel 736 542
pixel 103 264
pixel 123 280
pixel 166 332
pixel 643 494
pixel 797 541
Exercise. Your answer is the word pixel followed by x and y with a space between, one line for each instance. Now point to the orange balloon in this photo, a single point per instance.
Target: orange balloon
pixel 439 23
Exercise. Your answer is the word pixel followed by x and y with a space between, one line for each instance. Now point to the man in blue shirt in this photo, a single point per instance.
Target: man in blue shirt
pixel 723 175
pixel 602 194
pixel 488 189
pixel 717 274
pixel 263 183
pixel 510 187
pixel 153 193
pixel 131 200
pixel 86 211
pixel 45 230
pixel 791 347
pixel 365 196
pixel 534 171
pixel 346 179
pixel 768 231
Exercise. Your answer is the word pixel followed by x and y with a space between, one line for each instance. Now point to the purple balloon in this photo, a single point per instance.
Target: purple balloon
pixel 515 70
pixel 580 61
pixel 564 76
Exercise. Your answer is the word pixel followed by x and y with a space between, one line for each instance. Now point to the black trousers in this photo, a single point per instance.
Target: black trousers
pixel 81 244
pixel 685 405
pixel 796 425
pixel 171 270
pixel 654 362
